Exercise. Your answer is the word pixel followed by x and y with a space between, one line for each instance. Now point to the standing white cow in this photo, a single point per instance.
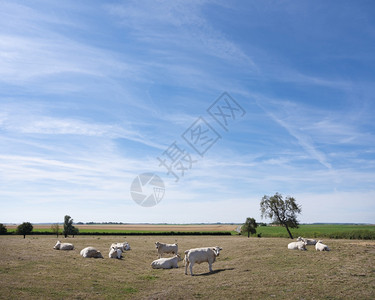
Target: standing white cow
pixel 321 247
pixel 200 255
pixel 166 248
pixel 307 241
pixel 63 246
pixel 115 253
pixel 297 245
pixel 166 263
pixel 91 252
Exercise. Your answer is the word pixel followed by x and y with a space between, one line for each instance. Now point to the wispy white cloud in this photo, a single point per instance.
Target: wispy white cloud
pixel 185 23
pixel 25 59
pixel 284 117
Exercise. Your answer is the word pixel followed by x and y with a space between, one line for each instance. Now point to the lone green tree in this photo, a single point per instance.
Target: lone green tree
pixel 249 226
pixel 282 212
pixel 55 228
pixel 24 228
pixel 3 229
pixel 69 228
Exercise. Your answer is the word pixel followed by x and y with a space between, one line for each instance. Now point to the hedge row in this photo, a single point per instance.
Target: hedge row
pixel 160 233
pixel 138 233
pixel 354 235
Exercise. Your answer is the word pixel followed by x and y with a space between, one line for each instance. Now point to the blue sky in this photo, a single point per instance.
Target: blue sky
pixel 92 93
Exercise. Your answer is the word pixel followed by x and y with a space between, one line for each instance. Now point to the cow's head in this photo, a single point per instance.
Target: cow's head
pixel 300 238
pixel 57 246
pixel 179 257
pixel 217 250
pixel 157 244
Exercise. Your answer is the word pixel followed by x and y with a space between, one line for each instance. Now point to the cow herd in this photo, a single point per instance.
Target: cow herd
pixel 192 256
pixel 302 242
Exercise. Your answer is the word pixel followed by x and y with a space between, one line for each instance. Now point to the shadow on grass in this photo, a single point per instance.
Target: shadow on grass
pixel 214 272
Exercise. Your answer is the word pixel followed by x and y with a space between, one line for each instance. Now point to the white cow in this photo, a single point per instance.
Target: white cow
pixel 321 247
pixel 115 253
pixel 200 255
pixel 166 248
pixel 166 263
pixel 123 246
pixel 91 252
pixel 63 246
pixel 307 241
pixel 297 245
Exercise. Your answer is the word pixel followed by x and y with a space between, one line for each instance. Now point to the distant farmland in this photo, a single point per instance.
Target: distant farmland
pixel 141 228
pixel 341 231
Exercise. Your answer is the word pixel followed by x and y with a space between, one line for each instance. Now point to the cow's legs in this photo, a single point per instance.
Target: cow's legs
pixel 210 266
pixel 191 269
pixel 186 266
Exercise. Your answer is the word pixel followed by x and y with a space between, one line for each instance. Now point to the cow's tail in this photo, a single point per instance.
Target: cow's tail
pixel 186 258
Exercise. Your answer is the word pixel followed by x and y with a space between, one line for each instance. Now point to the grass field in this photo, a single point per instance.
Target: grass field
pixel 246 269
pixel 316 231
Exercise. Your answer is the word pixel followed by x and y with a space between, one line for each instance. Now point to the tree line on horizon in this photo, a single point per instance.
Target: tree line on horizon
pixel 282 212
pixel 26 228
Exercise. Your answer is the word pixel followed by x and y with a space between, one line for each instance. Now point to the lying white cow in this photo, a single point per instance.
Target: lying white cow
pixel 115 253
pixel 297 245
pixel 166 263
pixel 166 248
pixel 63 246
pixel 307 241
pixel 200 255
pixel 123 246
pixel 321 247
pixel 91 252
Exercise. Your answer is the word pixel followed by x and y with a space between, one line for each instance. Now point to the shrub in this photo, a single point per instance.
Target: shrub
pixel 24 228
pixel 3 229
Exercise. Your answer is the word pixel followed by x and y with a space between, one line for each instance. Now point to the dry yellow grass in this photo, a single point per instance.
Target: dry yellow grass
pixel 246 269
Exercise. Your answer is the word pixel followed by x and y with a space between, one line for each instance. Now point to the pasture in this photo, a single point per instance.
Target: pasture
pixel 344 231
pixel 246 268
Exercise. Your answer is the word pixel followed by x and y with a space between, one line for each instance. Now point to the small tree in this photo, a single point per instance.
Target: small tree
pixel 68 226
pixel 249 226
pixel 3 229
pixel 24 228
pixel 55 228
pixel 75 231
pixel 282 212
